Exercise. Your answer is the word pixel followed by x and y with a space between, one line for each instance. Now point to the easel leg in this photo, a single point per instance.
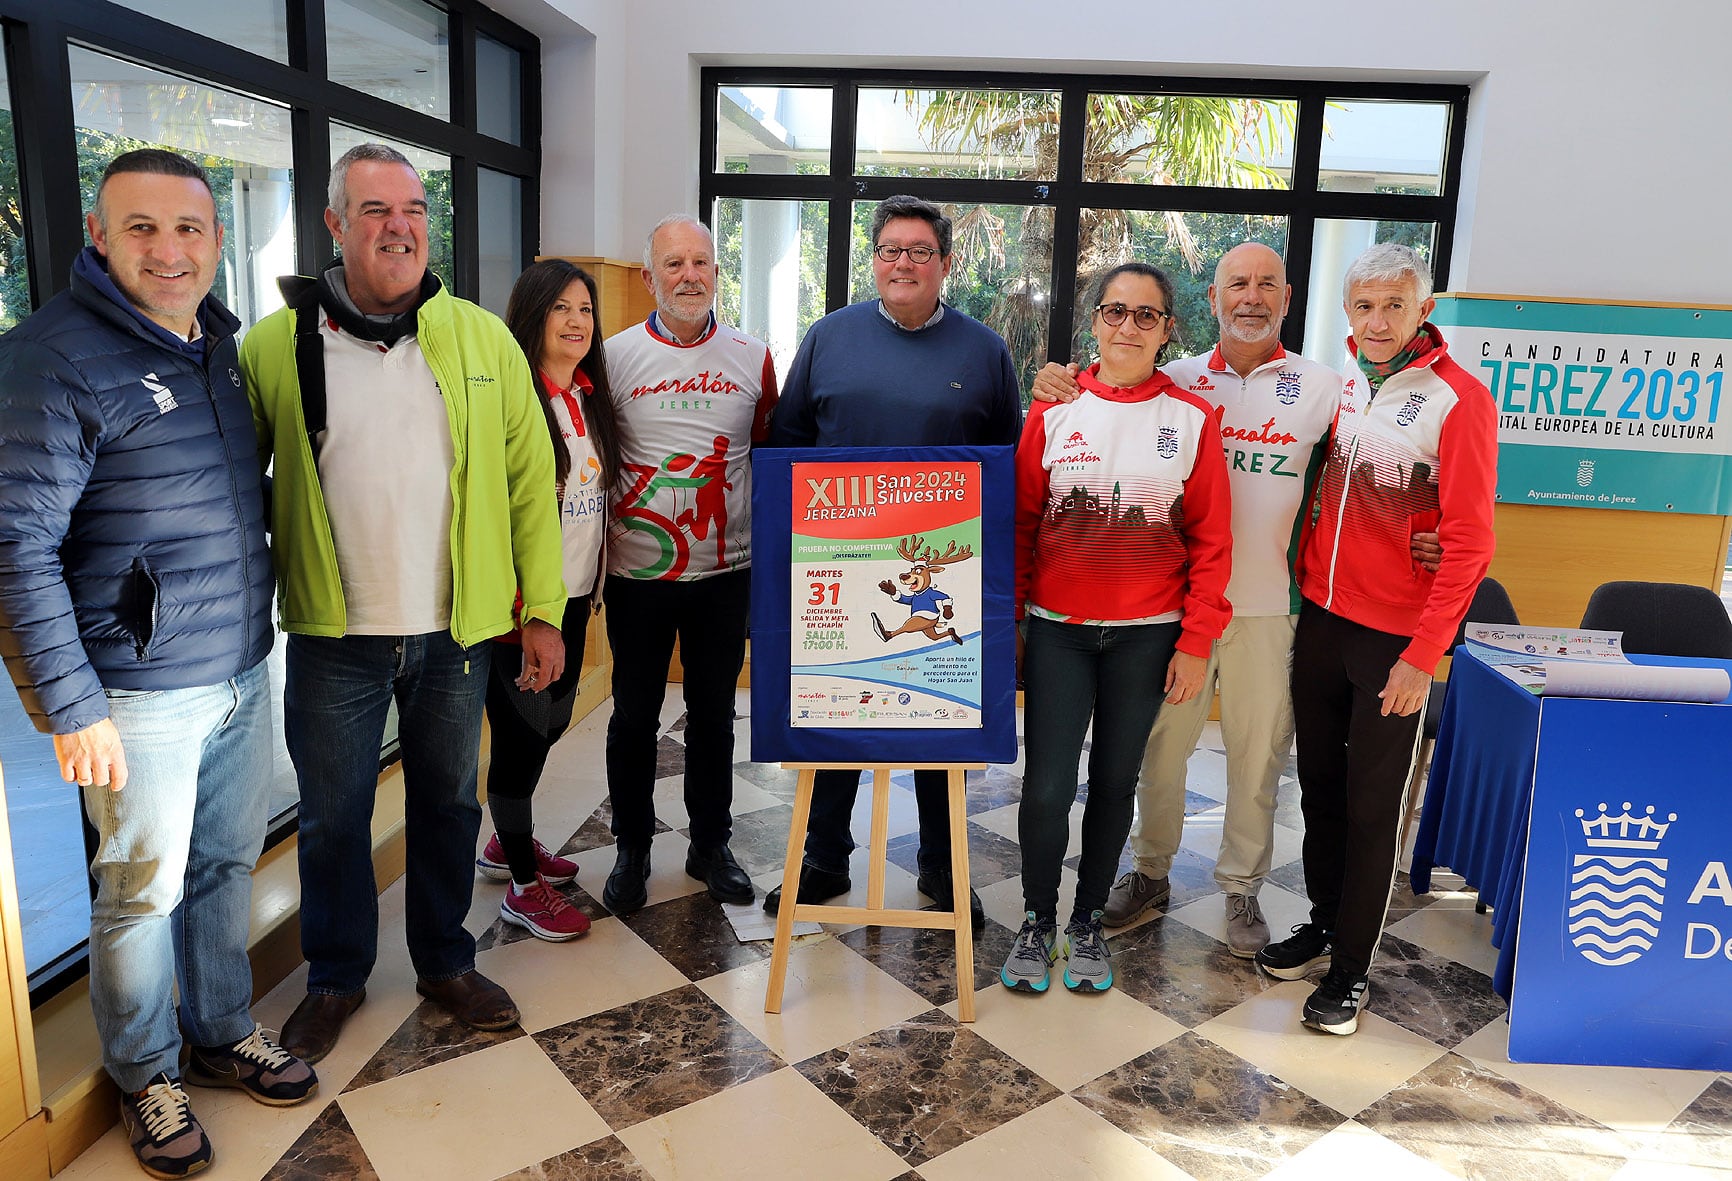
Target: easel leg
pixel 880 840
pixel 790 891
pixel 959 874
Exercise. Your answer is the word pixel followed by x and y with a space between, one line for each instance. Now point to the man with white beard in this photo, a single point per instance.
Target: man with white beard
pixel 1276 409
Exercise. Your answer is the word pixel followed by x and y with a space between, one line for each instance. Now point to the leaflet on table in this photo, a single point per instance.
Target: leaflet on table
pixel 1503 642
pixel 886 595
pixel 1563 662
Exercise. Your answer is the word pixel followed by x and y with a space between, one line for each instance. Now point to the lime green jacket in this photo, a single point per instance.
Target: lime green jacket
pixel 504 518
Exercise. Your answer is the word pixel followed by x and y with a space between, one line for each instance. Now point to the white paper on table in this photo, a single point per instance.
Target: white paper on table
pixel 1635 682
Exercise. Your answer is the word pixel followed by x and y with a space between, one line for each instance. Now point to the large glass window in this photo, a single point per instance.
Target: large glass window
pixel 242 142
pixel 957 133
pixel 1384 147
pixel 1190 139
pixel 770 261
pixel 14 259
pixel 435 170
pixel 257 26
pixel 1052 179
pixel 1334 246
pixel 773 129
pixel 501 226
pixel 398 50
pixel 498 90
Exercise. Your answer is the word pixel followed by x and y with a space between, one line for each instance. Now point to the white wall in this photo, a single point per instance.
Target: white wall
pixel 1596 166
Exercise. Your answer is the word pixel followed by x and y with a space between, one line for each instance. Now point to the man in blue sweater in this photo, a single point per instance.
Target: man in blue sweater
pixel 902 370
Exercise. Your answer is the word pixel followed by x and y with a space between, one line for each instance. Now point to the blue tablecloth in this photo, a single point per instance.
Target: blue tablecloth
pixel 1480 789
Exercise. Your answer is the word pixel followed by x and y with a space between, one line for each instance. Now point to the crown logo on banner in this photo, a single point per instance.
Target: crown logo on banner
pixel 1626 831
pixel 1618 887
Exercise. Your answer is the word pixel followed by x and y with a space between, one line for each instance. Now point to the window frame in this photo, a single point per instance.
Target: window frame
pixel 1302 203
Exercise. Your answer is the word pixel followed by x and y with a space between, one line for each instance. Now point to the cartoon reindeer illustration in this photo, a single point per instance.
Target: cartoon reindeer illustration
pixel 925 602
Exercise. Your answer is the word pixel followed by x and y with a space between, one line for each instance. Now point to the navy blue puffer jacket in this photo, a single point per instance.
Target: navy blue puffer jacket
pixel 132 524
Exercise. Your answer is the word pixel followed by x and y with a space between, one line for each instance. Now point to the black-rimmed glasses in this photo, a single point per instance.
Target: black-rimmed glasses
pixel 1147 318
pixel 918 255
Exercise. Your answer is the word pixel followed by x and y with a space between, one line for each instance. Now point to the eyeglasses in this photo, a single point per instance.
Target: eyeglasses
pixel 918 255
pixel 1148 319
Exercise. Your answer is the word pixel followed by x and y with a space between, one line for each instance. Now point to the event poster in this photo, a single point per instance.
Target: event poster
pixel 885 596
pixel 1601 405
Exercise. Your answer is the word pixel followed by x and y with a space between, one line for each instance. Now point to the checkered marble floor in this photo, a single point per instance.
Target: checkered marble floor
pixel 644 1050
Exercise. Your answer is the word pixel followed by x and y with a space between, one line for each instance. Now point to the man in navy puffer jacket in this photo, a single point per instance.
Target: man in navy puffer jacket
pixel 135 591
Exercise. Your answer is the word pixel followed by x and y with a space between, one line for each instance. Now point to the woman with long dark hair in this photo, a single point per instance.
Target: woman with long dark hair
pixel 553 312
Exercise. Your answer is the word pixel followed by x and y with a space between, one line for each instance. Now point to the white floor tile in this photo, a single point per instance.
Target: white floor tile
pixel 1347 1073
pixel 473 1118
pixel 773 1127
pixel 832 995
pixel 1060 1139
pixel 553 983
pixel 1067 1038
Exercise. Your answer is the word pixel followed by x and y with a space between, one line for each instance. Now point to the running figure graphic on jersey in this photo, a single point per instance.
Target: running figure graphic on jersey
pixel 710 505
pixel 925 602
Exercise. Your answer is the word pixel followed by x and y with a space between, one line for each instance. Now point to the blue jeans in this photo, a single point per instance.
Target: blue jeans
pixel 335 698
pixel 1072 672
pixel 173 868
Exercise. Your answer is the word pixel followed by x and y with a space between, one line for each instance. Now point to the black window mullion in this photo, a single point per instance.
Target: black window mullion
pixel 1066 221
pixel 845 188
pixel 43 128
pixel 310 142
pixel 1302 219
pixel 1444 251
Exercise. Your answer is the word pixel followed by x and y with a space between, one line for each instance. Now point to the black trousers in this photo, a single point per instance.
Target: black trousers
pixel 708 615
pixel 1354 768
pixel 526 725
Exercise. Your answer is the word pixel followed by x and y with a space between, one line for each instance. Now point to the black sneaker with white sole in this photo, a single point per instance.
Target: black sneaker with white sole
pixel 1334 1007
pixel 1297 956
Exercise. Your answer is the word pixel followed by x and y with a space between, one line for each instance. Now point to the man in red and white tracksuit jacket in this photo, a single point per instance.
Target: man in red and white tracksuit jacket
pixel 1414 450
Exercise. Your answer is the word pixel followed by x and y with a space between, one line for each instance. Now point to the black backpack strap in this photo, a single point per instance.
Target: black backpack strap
pixel 302 296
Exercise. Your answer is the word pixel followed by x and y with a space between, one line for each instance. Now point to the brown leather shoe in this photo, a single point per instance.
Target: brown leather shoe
pixel 473 999
pixel 312 1028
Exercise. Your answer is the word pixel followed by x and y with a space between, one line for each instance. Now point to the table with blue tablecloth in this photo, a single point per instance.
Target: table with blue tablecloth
pixel 1640 761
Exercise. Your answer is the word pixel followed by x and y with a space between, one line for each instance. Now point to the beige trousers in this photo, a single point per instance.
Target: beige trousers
pixel 1250 665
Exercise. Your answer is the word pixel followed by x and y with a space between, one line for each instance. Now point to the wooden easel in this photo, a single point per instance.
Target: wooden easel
pixel 873 913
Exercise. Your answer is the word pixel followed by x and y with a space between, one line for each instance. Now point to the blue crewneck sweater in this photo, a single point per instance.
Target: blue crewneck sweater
pixel 860 380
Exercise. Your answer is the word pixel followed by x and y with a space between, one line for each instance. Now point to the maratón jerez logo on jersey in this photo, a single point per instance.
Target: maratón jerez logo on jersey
pixel 703 383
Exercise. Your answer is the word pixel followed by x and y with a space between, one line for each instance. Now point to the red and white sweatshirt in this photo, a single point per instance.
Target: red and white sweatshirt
pixel 1418 455
pixel 1123 513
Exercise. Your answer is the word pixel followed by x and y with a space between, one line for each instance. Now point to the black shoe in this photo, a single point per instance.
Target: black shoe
pixel 715 867
pixel 940 886
pixel 1296 957
pixel 1334 1007
pixel 625 890
pixel 816 885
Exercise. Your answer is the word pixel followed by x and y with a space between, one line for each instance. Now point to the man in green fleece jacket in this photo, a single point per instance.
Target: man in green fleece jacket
pixel 413 502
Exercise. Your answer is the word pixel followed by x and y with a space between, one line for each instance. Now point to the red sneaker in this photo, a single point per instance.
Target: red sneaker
pixel 543 912
pixel 556 870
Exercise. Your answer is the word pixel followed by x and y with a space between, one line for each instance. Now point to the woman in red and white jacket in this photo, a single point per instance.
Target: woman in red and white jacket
pixel 553 312
pixel 1123 551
